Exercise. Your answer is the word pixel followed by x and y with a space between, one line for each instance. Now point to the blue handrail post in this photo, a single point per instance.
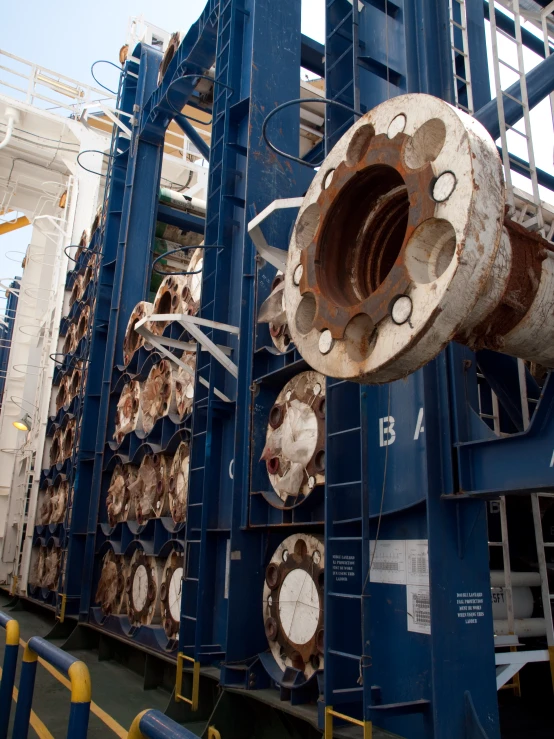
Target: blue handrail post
pixel 8 670
pixel 76 671
pixel 25 698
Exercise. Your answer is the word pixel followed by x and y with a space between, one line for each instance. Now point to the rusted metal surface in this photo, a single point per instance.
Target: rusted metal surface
pixel 82 323
pixel 158 394
pixel 68 440
pixel 184 385
pixel 142 589
pixel 38 564
pixel 170 593
pixel 172 297
pixel 178 484
pixel 294 451
pixel 293 603
pixel 129 412
pixel 69 343
pixel 169 53
pixel 273 312
pixel 151 487
pixel 120 502
pixel 62 396
pixel 111 593
pixel 133 341
pixel 56 447
pixel 408 205
pixel 77 289
pixel 51 572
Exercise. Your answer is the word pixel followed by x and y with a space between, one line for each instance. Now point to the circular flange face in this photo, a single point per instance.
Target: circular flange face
pixel 174 595
pixel 299 606
pixel 140 588
pixel 293 603
pixel 414 208
pixel 295 440
pixel 179 483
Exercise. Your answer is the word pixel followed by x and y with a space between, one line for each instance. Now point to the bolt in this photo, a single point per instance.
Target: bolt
pixel 297 276
pixel 444 186
pixel 311 482
pixel 317 388
pixel 316 556
pixel 401 309
pixel 397 125
pixel 326 342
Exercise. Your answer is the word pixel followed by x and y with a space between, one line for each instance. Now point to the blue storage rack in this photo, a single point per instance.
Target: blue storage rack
pixel 408 464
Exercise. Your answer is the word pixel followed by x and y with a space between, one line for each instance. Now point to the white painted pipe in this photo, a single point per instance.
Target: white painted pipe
pixel 522 627
pixel 13 116
pixel 523 603
pixel 519 579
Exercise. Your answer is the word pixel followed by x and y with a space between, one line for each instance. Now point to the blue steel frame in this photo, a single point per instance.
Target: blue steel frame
pixel 378 669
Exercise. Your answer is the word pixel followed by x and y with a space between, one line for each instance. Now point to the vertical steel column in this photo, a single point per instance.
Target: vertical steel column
pixel 389 459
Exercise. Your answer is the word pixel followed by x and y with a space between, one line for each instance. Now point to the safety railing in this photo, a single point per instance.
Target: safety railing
pixel 152 724
pixel 74 669
pixel 193 700
pixel 367 726
pixel 11 627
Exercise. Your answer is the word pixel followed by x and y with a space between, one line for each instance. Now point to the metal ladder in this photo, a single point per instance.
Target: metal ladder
pixel 460 56
pixel 537 221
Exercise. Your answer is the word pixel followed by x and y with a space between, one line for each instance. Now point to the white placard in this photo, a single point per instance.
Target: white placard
pixel 418 607
pixel 389 562
pixel 417 562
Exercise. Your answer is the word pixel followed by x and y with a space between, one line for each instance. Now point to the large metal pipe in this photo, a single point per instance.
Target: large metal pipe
pixel 190 132
pixel 540 83
pixel 402 245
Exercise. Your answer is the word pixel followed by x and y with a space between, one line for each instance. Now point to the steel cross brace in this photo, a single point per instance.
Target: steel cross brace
pixel 191 324
pixel 276 257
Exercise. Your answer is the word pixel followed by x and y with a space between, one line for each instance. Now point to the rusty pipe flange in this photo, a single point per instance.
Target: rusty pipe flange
pixel 77 289
pixel 37 566
pixel 74 383
pixel 272 311
pixel 184 385
pixel 294 450
pixel 394 241
pixel 179 483
pixel 56 447
pixel 170 593
pixel 111 593
pixel 193 292
pixel 173 296
pixel 157 398
pixel 133 340
pixel 96 221
pixel 59 498
pixel 119 501
pixel 142 588
pixel 150 488
pixel 293 603
pixel 68 439
pixel 169 53
pixel 63 395
pixel 69 340
pixel 82 324
pixel 44 504
pixel 52 567
pixel 129 412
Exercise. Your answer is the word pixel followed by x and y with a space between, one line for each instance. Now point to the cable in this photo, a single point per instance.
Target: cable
pixel 92 151
pixel 181 248
pixel 104 61
pixel 299 101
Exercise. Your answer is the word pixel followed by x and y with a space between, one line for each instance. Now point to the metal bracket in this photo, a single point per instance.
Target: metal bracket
pixel 193 700
pixel 190 323
pixel 509 663
pixel 276 257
